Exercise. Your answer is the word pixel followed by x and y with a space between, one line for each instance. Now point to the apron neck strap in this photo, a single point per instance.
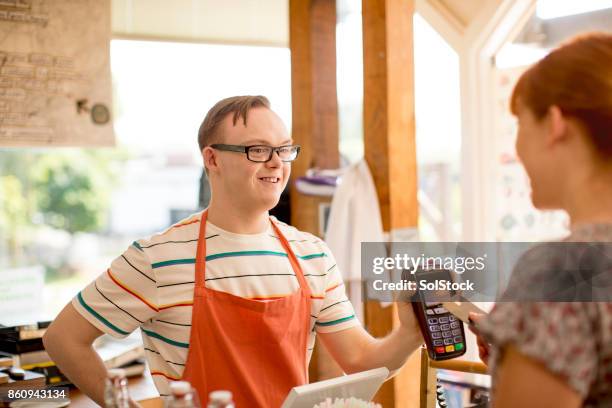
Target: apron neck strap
pixel 295 265
pixel 200 265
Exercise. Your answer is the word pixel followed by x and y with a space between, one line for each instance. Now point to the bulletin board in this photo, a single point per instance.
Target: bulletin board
pixel 55 83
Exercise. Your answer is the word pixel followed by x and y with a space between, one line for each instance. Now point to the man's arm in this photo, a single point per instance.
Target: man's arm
pixel 106 305
pixel 68 340
pixel 354 349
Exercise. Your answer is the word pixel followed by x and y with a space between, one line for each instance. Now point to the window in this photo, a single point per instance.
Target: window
pixel 438 134
pixel 66 213
pixel 438 119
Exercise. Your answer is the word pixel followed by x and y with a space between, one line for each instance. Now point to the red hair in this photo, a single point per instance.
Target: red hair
pixel 576 77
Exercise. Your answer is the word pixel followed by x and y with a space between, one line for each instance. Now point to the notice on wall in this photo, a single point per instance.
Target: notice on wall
pixel 517 219
pixel 20 295
pixel 55 83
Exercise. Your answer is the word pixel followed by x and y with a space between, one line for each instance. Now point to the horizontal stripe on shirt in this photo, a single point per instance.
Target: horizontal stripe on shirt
pixel 297 241
pixel 116 305
pixel 168 376
pixel 181 224
pixel 334 304
pixel 99 317
pixel 177 242
pixel 233 254
pixel 244 276
pixel 131 291
pixel 165 339
pixel 145 301
pixel 159 354
pixel 344 319
pixel 137 270
pixel 172 323
pixel 250 276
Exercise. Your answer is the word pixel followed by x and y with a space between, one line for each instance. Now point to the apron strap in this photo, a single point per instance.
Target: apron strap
pixel 200 265
pixel 295 265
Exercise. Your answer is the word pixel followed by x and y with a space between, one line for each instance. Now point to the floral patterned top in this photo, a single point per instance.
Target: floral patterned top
pixel 571 339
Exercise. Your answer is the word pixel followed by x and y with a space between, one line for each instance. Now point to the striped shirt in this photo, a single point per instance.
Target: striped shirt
pixel 150 286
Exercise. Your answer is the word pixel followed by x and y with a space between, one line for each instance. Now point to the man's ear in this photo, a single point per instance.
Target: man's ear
pixel 556 125
pixel 210 158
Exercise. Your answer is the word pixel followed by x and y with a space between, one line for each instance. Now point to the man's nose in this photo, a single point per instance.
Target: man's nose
pixel 275 161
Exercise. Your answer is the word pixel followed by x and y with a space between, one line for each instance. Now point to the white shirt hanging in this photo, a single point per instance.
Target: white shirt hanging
pixel 354 218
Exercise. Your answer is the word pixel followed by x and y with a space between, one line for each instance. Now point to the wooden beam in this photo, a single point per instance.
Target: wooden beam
pixel 313 82
pixel 389 127
pixel 312 39
pixel 390 150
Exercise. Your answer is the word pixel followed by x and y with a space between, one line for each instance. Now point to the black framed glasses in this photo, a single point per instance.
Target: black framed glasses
pixel 261 153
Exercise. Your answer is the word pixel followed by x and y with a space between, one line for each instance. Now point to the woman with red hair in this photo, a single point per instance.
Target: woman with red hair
pixel 556 354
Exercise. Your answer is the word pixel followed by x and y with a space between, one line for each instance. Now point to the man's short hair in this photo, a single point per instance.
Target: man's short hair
pixel 239 106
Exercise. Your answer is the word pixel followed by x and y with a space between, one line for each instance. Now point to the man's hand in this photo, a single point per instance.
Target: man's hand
pixel 134 404
pixel 483 346
pixel 407 317
pixel 408 321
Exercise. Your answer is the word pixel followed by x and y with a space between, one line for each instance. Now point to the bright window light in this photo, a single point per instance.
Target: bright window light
pixel 518 55
pixel 547 9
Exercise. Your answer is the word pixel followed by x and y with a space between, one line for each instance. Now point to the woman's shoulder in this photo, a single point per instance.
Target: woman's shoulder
pixel 559 271
pixel 591 232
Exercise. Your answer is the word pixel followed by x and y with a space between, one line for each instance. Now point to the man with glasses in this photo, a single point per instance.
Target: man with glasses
pixel 229 298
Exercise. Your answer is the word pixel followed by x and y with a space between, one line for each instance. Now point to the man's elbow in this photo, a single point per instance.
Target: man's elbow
pixel 51 339
pixel 354 363
pixel 350 368
pixel 69 330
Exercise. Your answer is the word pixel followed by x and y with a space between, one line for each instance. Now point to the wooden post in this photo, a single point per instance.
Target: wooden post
pixel 312 38
pixel 390 150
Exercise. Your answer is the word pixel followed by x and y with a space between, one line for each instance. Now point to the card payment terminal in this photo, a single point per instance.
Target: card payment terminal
pixel 443 333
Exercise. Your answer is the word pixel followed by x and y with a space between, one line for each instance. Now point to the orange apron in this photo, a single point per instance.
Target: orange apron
pixel 255 349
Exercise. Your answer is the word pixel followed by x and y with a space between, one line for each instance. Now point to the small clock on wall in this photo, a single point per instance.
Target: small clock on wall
pixel 100 114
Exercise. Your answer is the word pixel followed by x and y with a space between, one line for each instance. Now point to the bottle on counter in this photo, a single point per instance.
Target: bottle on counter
pixel 182 395
pixel 116 393
pixel 220 399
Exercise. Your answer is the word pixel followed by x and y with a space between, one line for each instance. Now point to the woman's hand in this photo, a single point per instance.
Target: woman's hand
pixel 483 346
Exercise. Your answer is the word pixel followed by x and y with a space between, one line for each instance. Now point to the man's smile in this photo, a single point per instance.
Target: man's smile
pixel 270 179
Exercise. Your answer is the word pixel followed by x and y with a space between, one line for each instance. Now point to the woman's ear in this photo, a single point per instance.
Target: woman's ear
pixel 556 125
pixel 210 158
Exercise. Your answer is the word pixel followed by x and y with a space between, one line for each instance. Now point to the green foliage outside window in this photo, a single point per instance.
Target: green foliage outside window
pixel 66 189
